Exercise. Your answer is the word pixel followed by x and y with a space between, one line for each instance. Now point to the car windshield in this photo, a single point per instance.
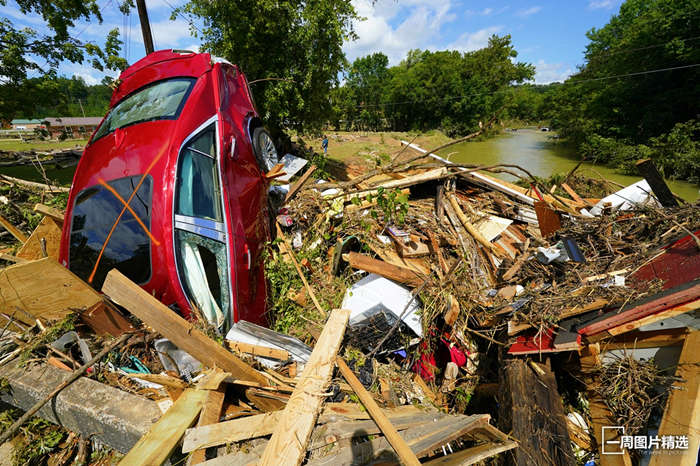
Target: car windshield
pixel 162 100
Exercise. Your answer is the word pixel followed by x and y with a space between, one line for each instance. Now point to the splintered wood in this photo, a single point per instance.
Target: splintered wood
pixel 287 445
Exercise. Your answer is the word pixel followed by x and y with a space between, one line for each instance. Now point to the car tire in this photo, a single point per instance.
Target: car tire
pixel 264 149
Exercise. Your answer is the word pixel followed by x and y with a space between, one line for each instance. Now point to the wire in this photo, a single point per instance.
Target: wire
pixel 580 81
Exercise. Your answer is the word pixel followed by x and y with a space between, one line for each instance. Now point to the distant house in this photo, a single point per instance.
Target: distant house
pixel 20 123
pixel 74 127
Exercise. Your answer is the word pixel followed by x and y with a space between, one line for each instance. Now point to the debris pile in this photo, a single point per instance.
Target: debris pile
pixel 421 311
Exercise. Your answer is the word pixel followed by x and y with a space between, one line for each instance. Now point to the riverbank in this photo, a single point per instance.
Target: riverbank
pixel 536 151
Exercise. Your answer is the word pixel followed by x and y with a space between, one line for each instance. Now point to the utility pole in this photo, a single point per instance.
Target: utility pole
pixel 145 26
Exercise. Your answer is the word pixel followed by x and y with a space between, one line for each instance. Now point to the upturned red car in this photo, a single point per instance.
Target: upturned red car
pixel 171 190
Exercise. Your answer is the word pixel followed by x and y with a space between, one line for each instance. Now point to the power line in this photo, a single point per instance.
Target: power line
pixel 580 81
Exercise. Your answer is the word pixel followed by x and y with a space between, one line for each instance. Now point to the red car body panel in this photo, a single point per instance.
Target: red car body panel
pixel 153 147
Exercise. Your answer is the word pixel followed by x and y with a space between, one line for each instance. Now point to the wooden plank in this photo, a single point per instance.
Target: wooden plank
pixel 294 188
pixel 49 211
pixel 183 334
pixel 11 258
pixel 648 170
pixel 574 195
pixel 45 289
pixel 257 350
pixel 392 272
pixel 161 439
pixel 210 415
pixel 431 175
pixel 105 319
pixel 682 412
pixel 287 445
pixel 474 454
pixel 666 314
pixel 14 231
pixel 654 304
pixel 405 454
pixel 648 339
pixel 471 228
pixel 50 232
pixel 235 430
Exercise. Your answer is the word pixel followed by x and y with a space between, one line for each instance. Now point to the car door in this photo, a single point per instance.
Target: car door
pixel 245 190
pixel 200 227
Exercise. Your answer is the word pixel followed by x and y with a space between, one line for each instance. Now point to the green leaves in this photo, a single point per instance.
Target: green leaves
pixel 293 39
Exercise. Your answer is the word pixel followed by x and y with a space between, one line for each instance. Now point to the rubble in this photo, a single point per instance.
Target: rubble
pixel 436 290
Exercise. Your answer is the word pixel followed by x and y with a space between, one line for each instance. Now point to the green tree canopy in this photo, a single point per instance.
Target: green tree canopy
pixel 25 51
pixel 297 42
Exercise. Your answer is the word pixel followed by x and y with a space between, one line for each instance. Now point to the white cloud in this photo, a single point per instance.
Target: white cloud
pixel 603 4
pixel 168 34
pixel 529 11
pixel 384 31
pixel 546 73
pixel 470 41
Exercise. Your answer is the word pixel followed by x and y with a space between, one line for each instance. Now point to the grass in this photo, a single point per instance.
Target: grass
pixel 347 147
pixel 41 146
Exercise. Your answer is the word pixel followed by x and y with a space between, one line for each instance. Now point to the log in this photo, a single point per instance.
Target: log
pixel 163 320
pixel 289 440
pixel 472 229
pixel 402 449
pixel 392 272
pixel 33 184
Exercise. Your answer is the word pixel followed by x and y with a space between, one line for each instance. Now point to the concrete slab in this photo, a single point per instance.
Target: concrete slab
pixel 115 417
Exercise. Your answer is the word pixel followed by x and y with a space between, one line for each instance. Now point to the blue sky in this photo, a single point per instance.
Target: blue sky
pixel 548 34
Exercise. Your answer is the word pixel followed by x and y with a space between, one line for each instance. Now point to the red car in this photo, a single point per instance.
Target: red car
pixel 171 190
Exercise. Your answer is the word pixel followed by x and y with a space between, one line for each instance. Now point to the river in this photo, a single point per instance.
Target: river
pixel 542 155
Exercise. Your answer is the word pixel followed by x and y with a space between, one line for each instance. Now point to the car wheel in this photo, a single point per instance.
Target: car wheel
pixel 264 149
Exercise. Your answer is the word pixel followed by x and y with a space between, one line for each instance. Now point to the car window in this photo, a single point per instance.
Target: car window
pixel 197 190
pixel 129 247
pixel 162 100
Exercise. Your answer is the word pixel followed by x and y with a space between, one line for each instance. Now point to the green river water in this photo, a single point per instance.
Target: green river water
pixel 542 155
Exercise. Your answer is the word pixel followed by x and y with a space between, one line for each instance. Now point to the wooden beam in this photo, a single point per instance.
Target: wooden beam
pixel 210 415
pixel 183 334
pixel 161 439
pixel 14 231
pixel 294 188
pixel 649 339
pixel 471 228
pixel 288 443
pixel 257 350
pixel 474 454
pixel 48 211
pixel 682 413
pixel 659 316
pixel 648 170
pixel 402 449
pixel 390 271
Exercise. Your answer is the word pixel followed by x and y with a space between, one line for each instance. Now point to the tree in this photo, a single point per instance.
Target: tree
pixel 26 51
pixel 644 37
pixel 366 82
pixel 299 43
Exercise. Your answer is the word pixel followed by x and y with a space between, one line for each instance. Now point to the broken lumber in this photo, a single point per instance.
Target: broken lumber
pixel 405 454
pixel 43 288
pixel 288 443
pixel 49 211
pixel 294 188
pixel 386 270
pixel 161 439
pixel 682 413
pixel 257 350
pixel 471 228
pixel 211 412
pixel 648 170
pixel 524 396
pixel 48 231
pixel 14 231
pixel 183 334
